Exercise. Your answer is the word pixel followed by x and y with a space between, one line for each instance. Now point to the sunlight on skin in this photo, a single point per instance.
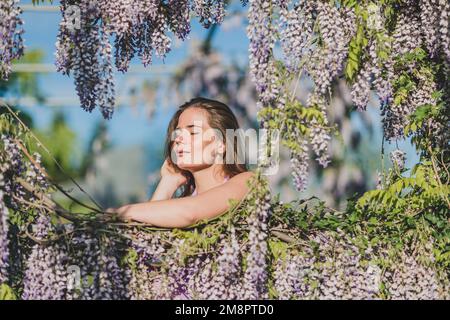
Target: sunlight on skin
pixel 183 212
pixel 213 194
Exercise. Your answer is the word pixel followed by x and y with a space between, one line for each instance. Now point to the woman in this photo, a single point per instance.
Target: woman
pixel 196 162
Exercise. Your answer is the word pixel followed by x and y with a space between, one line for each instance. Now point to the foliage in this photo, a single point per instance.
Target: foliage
pixel 313 251
pixel 391 243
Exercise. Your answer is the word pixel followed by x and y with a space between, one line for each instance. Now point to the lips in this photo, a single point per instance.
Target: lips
pixel 181 152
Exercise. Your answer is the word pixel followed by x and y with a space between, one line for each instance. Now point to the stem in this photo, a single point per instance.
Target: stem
pixel 49 153
pixel 50 204
pixel 437 176
pixel 25 151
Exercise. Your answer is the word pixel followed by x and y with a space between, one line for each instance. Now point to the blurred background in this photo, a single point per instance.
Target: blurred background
pixel 118 161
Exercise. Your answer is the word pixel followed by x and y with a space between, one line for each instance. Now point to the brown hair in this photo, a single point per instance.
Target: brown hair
pixel 220 117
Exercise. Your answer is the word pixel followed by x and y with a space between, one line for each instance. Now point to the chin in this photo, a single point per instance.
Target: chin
pixel 186 166
pixel 192 167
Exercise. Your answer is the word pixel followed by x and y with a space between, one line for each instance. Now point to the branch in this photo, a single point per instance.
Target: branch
pixel 50 204
pixel 282 236
pixel 437 175
pixel 25 151
pixel 49 153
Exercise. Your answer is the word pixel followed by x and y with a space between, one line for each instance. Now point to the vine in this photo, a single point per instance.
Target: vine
pixel 391 243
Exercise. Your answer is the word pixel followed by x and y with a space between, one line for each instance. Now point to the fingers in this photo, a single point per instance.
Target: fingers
pixel 169 166
pixel 116 213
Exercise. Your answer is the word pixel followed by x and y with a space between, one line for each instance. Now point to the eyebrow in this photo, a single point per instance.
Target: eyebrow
pixel 189 126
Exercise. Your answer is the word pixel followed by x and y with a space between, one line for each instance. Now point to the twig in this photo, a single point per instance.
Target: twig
pixel 51 204
pixel 36 205
pixel 39 241
pixel 25 151
pixel 53 239
pixel 284 237
pixel 49 153
pixel 138 224
pixel 437 175
pixel 74 199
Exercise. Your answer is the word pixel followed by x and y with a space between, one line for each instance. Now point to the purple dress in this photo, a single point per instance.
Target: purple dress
pixel 195 190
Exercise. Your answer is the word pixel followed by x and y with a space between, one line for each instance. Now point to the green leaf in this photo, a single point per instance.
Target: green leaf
pixel 6 292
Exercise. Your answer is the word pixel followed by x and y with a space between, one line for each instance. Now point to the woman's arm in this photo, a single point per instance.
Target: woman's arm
pixel 183 212
pixel 169 183
pixel 165 189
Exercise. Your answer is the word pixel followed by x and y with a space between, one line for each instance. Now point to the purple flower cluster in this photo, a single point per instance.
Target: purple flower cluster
pixel 320 138
pixel 319 135
pixel 407 35
pixel 86 50
pixel 261 33
pixel 334 268
pixel 333 51
pixel 299 163
pixel 85 266
pixel 45 276
pixel 209 11
pixel 429 19
pixel 102 277
pixel 296 30
pixel 290 276
pixel 413 276
pixel 12 166
pixel 396 116
pixel 256 274
pixel 113 279
pixel 444 33
pixel 361 88
pixel 85 256
pixel 11 42
pixel 147 282
pixel 179 14
pixel 398 158
pixel 4 241
pixel 35 175
pixel 136 28
pixel 225 281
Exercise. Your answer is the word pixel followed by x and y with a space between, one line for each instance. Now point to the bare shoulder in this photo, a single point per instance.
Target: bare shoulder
pixel 236 187
pixel 240 180
pixel 243 176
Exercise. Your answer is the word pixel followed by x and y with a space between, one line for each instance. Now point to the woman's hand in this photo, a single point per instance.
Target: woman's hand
pixel 122 212
pixel 168 173
pixel 169 183
pixel 186 211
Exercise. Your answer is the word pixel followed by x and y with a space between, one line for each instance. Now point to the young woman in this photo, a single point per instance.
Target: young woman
pixel 197 163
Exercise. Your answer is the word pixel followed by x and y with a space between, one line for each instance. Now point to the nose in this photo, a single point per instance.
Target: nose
pixel 178 137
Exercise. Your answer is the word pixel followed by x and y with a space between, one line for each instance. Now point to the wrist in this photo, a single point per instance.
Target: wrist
pixel 125 212
pixel 175 181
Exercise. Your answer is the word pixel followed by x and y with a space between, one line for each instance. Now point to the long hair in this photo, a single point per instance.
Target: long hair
pixel 220 117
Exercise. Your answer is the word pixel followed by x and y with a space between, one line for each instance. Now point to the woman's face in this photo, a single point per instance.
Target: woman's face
pixel 195 144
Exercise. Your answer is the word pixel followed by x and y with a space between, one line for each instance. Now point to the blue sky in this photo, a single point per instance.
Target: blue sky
pixel 127 128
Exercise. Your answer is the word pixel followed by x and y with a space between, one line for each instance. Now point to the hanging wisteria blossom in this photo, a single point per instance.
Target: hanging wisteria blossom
pixel 4 241
pixel 388 243
pixel 135 27
pixel 11 31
